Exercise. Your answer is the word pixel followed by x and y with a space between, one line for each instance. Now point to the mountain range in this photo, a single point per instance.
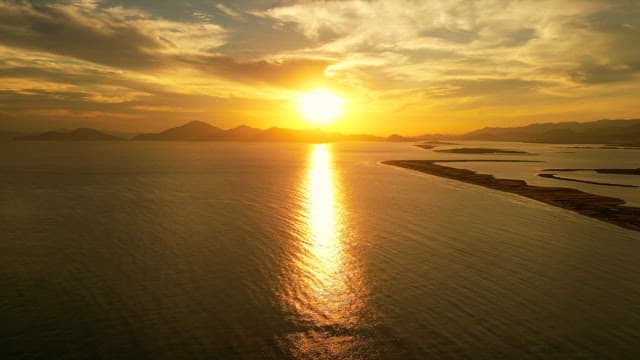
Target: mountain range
pixel 202 131
pixel 618 132
pixel 81 134
pixel 595 132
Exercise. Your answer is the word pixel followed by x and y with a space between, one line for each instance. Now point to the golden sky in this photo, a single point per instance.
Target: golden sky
pixel 408 67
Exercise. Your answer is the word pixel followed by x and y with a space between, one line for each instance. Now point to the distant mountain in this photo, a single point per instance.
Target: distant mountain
pixel 82 134
pixel 595 132
pixel 400 138
pixel 614 132
pixel 242 132
pixel 290 135
pixel 359 137
pixel 202 131
pixel 192 131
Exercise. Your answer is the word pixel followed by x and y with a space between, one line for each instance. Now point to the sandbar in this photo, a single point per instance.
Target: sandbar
pixel 554 176
pixel 482 151
pixel 602 171
pixel 603 208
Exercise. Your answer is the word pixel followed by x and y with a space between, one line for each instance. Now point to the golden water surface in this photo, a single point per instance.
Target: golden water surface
pixel 325 285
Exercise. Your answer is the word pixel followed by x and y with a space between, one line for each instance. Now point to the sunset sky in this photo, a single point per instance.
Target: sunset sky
pixel 406 67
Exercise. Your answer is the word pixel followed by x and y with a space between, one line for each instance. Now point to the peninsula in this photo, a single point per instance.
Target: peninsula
pixel 599 207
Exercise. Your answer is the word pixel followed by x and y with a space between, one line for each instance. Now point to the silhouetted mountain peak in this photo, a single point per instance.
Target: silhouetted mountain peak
pixel 242 132
pixel 202 131
pixel 197 124
pixel 242 127
pixel 191 131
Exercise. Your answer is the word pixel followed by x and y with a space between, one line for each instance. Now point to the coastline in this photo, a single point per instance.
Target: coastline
pixel 481 151
pixel 554 176
pixel 601 171
pixel 603 208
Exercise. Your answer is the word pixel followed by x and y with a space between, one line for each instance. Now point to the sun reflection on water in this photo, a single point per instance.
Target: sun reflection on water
pixel 324 287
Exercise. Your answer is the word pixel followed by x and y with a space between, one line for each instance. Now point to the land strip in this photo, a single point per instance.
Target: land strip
pixel 604 208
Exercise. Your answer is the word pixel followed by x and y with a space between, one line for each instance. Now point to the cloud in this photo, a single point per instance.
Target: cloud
pixel 229 11
pixel 432 37
pixel 490 87
pixel 285 72
pixel 519 37
pixel 450 35
pixel 101 57
pixel 591 72
pixel 116 36
pixel 611 56
pixel 131 39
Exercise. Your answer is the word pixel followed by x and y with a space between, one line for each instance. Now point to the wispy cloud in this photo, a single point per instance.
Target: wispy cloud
pixel 227 10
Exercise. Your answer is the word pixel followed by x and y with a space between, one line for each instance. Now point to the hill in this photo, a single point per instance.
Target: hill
pixel 81 134
pixel 241 133
pixel 595 132
pixel 612 132
pixel 192 131
pixel 202 131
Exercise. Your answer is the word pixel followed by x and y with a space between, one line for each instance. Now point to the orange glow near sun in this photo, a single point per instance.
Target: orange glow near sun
pixel 320 107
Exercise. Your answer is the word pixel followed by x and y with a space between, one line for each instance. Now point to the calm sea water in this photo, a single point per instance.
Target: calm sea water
pixel 258 251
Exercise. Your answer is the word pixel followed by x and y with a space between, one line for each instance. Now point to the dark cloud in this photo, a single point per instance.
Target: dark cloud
pixel 38 99
pixel 487 88
pixel 98 36
pixel 81 33
pixel 82 78
pixel 593 73
pixel 519 37
pixel 286 73
pixel 452 35
pixel 82 101
pixel 618 59
pixel 514 38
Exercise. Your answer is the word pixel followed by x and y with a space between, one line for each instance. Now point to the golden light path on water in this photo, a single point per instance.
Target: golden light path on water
pixel 326 287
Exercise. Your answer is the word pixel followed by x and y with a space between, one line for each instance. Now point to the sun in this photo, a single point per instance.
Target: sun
pixel 321 107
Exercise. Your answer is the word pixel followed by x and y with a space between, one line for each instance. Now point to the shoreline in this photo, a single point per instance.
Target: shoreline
pixel 556 177
pixel 601 171
pixel 603 208
pixel 481 151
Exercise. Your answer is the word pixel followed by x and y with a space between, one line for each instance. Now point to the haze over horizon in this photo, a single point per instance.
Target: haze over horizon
pixel 401 67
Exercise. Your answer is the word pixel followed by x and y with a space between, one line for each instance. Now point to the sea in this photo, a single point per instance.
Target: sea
pixel 220 250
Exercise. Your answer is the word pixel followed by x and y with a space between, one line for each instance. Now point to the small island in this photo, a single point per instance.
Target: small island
pixel 430 145
pixel 426 146
pixel 604 208
pixel 488 151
